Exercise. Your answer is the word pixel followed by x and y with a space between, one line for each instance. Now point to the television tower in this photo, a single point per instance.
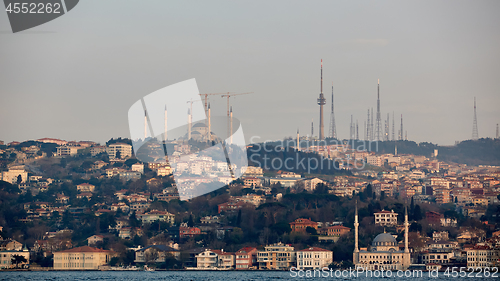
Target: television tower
pixel 497 132
pixel 378 124
pixel 333 129
pixel 321 102
pixel 475 134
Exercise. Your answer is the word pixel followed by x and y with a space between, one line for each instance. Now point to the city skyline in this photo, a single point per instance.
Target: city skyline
pixel 75 79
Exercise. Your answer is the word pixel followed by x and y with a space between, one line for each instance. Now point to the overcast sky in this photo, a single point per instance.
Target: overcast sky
pixel 75 77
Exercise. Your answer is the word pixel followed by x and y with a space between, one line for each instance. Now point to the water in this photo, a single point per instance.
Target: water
pixel 185 275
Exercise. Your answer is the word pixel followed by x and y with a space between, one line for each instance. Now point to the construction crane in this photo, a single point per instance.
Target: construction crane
pixel 213 94
pixel 228 95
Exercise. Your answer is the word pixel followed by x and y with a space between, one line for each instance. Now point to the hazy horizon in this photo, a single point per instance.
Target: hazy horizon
pixel 75 77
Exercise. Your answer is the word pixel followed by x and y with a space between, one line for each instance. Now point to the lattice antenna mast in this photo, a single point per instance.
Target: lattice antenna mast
pixel 378 124
pixel 401 130
pixel 333 128
pixel 393 126
pixel 372 131
pixel 357 132
pixel 387 128
pixel 475 134
pixel 368 134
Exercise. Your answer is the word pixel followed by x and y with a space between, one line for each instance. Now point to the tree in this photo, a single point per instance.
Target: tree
pixel 134 222
pixel 382 195
pixel 368 190
pixel 17 259
pixel 190 221
pixel 118 154
pixel 418 213
pixel 412 209
pixel 311 230
pixel 415 227
pixel 238 219
pixel 19 179
pixel 151 255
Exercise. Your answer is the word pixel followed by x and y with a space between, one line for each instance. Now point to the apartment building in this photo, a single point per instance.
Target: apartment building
pixel 482 256
pixel 246 258
pixel 124 149
pixel 277 257
pixel 384 218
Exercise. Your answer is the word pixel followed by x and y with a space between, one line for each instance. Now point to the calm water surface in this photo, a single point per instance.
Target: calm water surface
pixel 183 275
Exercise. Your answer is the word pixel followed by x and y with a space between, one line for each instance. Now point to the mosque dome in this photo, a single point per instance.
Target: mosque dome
pixel 199 125
pixel 384 239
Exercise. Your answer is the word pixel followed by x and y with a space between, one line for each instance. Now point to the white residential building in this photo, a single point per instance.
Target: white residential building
pixel 124 149
pixel 67 150
pixel 13 173
pixel 314 258
pixel 386 218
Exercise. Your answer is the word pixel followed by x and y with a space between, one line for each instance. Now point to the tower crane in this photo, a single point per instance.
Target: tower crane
pixel 228 95
pixel 212 94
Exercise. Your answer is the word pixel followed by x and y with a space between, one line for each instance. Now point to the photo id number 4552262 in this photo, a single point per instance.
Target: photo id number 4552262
pixel 34 8
pixel 471 272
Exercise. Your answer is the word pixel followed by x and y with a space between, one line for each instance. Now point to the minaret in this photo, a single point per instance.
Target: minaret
pixel 231 125
pixel 165 125
pixel 321 102
pixel 406 230
pixel 406 255
pixel 378 124
pixel 356 246
pixel 497 132
pixel 298 141
pixel 145 125
pixel 189 124
pixel 209 134
pixel 396 150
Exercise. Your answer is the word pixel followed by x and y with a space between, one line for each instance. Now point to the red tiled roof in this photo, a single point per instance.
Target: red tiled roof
pixel 338 227
pixel 246 250
pixel 85 249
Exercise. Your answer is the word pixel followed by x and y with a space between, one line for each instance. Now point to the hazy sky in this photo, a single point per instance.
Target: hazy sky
pixel 75 77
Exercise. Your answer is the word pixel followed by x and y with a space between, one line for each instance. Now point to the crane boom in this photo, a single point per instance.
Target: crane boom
pixel 228 95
